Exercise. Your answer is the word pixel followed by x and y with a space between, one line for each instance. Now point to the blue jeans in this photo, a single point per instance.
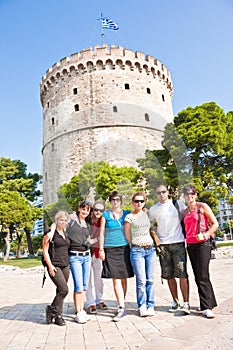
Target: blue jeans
pixel 80 267
pixel 143 262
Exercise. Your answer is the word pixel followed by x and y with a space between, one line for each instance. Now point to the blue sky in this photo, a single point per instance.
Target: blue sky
pixel 194 39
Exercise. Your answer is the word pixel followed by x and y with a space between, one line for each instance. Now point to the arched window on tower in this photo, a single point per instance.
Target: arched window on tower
pixel 75 91
pixel 148 90
pixel 115 109
pixel 147 118
pixel 163 98
pixel 76 108
pixel 126 86
pixel 52 147
pixel 47 104
pixel 52 121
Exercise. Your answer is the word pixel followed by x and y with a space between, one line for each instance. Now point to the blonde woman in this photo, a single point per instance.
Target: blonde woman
pixel 58 267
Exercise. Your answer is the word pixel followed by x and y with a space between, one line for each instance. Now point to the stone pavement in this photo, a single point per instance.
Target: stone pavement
pixel 23 326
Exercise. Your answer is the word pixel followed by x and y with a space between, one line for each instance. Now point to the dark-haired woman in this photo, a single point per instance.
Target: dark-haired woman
pixel 80 257
pixel 199 246
pixel 115 251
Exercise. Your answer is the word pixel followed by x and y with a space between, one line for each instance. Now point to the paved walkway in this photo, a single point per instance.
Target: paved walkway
pixel 23 326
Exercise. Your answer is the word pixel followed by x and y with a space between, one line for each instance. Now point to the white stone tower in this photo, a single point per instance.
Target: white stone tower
pixel 109 103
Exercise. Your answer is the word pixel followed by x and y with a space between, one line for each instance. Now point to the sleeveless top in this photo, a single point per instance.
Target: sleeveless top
pixel 61 247
pixel 191 225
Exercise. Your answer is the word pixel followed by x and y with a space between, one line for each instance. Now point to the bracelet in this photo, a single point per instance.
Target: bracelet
pixel 101 249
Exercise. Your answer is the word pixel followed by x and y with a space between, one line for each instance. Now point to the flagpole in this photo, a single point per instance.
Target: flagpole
pixel 102 33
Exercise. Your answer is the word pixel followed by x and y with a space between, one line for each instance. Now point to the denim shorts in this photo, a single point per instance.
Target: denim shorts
pixel 80 267
pixel 173 260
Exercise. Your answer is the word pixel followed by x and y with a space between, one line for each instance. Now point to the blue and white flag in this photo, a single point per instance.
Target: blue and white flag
pixel 107 23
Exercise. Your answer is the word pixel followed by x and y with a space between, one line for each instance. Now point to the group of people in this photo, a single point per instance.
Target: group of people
pixel 95 243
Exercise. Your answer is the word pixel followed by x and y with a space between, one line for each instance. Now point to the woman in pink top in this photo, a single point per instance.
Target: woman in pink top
pixel 199 247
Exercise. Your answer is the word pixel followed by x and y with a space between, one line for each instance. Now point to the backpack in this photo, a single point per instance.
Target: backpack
pixel 51 252
pixel 181 216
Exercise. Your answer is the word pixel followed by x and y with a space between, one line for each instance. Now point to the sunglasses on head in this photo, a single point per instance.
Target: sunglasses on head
pixel 84 203
pixel 138 201
pixel 161 192
pixel 100 210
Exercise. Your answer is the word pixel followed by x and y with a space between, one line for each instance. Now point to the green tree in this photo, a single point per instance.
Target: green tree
pixel 110 178
pixel 197 148
pixel 17 189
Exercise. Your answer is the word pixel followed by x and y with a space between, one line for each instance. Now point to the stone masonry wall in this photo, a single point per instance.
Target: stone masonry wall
pixel 104 104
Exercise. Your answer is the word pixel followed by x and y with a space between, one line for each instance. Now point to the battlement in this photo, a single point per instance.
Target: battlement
pixel 113 57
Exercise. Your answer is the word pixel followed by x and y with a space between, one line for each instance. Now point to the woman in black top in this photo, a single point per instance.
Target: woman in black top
pixel 80 257
pixel 58 267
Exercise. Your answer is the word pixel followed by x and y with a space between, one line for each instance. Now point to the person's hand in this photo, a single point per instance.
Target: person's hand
pixel 102 254
pixel 200 236
pixel 49 236
pixel 52 271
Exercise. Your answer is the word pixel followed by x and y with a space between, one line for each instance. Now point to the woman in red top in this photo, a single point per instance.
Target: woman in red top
pixel 94 296
pixel 199 246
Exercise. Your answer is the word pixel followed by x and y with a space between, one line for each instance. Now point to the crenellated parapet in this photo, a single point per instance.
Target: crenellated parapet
pixel 106 58
pixel 107 103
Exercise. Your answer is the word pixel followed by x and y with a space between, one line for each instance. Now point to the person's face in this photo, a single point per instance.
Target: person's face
pixel 162 194
pixel 116 202
pixel 84 212
pixel 62 223
pixel 98 210
pixel 138 202
pixel 190 196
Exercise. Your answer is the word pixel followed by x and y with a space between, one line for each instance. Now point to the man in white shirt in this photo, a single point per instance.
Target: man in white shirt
pixel 173 257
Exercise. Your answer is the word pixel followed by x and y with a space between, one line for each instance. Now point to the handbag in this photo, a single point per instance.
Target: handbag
pixel 213 243
pixel 156 240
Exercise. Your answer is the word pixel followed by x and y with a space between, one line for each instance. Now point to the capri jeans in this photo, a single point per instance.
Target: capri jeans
pixel 80 267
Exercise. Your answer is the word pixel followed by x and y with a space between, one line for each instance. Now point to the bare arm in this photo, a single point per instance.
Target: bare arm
pixel 51 268
pixel 50 234
pixel 128 232
pixel 101 238
pixel 213 223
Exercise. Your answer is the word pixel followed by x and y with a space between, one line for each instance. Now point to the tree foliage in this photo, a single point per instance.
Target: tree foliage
pixel 197 148
pixel 96 180
pixel 17 188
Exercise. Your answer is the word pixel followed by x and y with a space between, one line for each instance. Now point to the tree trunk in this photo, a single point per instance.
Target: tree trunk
pixel 29 241
pixel 8 245
pixel 19 238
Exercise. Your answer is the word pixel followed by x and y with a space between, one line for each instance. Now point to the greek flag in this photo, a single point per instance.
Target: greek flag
pixel 107 23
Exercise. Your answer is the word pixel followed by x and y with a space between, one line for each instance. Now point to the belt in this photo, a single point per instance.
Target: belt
pixel 79 253
pixel 143 246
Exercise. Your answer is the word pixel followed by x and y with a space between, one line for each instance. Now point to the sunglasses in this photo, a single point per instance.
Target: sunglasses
pixel 116 199
pixel 192 193
pixel 100 210
pixel 161 192
pixel 138 201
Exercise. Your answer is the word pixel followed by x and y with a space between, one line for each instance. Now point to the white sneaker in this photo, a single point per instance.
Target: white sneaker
pixel 174 306
pixel 81 317
pixel 143 311
pixel 186 308
pixel 120 314
pixel 208 313
pixel 150 311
